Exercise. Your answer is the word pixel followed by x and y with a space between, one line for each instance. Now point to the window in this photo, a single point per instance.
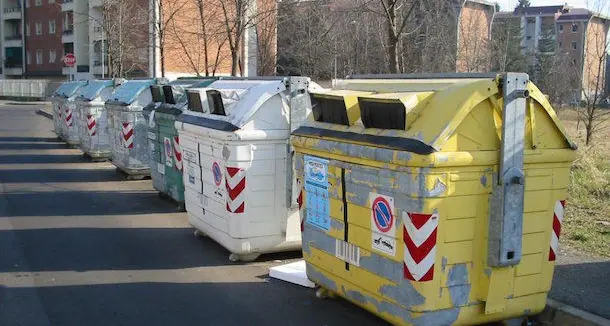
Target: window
pixel 574 28
pixel 28 58
pixel 38 3
pixel 560 45
pixel 560 28
pixel 51 27
pixel 574 45
pixel 52 56
pixel 39 57
pixel 38 28
pixel 27 29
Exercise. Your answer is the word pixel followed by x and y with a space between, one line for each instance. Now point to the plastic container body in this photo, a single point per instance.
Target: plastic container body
pixel 239 183
pixel 400 209
pixel 164 142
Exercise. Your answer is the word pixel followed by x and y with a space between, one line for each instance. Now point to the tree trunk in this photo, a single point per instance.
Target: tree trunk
pixel 204 34
pixel 392 40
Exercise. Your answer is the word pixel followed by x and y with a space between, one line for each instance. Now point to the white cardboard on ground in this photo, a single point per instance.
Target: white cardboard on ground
pixel 293 273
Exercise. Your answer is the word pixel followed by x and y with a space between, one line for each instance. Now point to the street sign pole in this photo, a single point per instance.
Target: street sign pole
pixel 70 62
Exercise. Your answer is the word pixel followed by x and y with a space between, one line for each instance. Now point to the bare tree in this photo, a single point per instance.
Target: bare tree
pixel 474 43
pixel 396 24
pixel 167 16
pixel 126 44
pixel 593 76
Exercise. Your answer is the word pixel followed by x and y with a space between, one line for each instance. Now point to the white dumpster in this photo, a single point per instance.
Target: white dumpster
pixel 128 128
pixel 63 115
pixel 92 121
pixel 239 185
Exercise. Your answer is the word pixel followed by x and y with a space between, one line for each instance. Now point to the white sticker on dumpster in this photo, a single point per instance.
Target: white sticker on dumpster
pixel 168 151
pixel 161 168
pixel 316 189
pixel 347 252
pixel 383 223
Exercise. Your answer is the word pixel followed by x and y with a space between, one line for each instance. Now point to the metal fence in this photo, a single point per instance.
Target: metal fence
pixel 27 89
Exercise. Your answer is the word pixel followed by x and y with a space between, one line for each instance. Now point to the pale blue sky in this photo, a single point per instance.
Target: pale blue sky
pixel 595 5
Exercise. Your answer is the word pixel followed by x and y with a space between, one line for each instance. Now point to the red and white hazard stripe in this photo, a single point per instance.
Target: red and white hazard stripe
pixel 128 134
pixel 235 180
pixel 558 213
pixel 69 119
pixel 419 236
pixel 91 124
pixel 177 153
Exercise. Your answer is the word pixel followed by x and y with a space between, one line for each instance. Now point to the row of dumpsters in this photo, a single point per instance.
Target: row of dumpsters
pixel 425 199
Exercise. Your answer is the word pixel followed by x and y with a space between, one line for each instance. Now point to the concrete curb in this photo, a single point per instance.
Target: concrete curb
pixel 44 113
pixel 560 314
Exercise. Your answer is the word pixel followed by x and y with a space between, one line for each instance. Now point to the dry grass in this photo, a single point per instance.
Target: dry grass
pixel 586 225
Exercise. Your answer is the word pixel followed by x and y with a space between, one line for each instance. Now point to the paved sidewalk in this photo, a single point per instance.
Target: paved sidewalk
pixel 583 282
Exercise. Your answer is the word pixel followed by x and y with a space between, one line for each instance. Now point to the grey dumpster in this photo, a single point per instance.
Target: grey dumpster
pixel 92 122
pixel 128 128
pixel 63 115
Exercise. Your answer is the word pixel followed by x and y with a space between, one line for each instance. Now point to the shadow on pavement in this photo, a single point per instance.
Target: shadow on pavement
pixel 222 304
pixel 94 249
pixel 77 203
pixel 585 286
pixel 40 145
pixel 65 175
pixel 32 139
pixel 51 158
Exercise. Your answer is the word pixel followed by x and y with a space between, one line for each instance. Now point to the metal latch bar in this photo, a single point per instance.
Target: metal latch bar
pixel 506 205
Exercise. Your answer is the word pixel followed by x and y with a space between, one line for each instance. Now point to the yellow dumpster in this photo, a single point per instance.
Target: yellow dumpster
pixel 441 203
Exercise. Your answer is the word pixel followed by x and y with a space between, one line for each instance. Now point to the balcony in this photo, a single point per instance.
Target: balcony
pixel 13 68
pixel 67 36
pixel 12 13
pixel 67 5
pixel 15 40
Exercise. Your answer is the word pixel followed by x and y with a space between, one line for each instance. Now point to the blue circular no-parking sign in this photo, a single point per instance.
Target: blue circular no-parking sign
pixel 382 214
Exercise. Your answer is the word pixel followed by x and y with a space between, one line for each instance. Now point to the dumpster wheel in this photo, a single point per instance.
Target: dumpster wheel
pixel 243 258
pixel 199 233
pixel 323 293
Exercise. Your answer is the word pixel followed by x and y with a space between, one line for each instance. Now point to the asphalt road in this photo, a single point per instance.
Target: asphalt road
pixel 583 282
pixel 80 246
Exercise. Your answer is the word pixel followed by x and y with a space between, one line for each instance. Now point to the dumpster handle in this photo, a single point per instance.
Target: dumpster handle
pixel 506 204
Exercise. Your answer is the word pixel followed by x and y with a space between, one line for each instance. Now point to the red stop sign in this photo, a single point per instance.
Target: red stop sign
pixel 70 59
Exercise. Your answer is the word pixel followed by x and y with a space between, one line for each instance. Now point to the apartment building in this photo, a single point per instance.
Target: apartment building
pixel 43 33
pixel 35 35
pixel 578 38
pixel 13 55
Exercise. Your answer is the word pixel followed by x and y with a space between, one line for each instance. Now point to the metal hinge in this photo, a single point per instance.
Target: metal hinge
pixel 506 204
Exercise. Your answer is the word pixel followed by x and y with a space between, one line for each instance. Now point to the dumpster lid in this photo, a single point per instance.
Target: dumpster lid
pixel 432 113
pixel 336 106
pixel 235 101
pixel 68 89
pixel 175 92
pixel 93 89
pixel 129 91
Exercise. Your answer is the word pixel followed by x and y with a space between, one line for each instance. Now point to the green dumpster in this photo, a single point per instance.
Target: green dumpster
pixel 164 144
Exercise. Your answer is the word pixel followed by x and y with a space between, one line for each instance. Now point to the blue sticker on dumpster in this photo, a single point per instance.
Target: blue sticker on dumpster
pixel 316 189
